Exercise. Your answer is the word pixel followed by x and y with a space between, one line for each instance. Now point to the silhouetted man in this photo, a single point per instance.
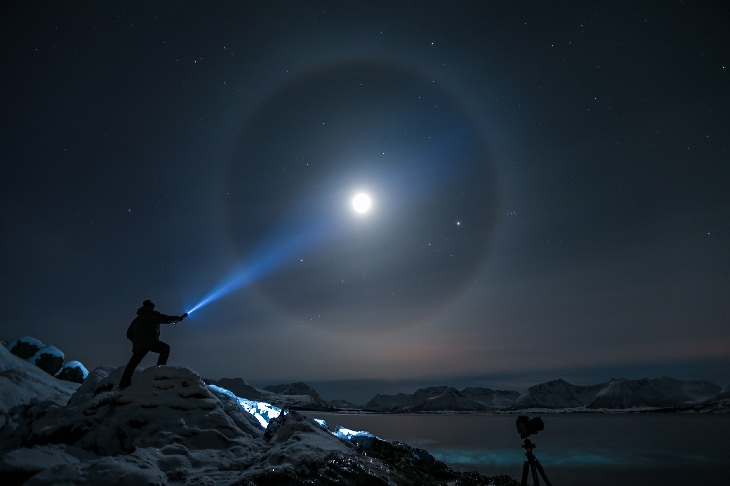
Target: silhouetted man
pixel 144 332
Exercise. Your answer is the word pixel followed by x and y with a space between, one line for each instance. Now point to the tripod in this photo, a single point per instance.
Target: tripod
pixel 532 464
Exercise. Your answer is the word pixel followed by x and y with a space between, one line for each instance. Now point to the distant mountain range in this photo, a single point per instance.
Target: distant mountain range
pixel 294 396
pixel 443 398
pixel 617 394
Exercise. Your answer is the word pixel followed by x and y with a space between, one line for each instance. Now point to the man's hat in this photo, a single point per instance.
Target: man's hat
pixel 148 303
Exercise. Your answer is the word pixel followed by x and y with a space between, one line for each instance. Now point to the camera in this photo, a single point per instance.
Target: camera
pixel 527 426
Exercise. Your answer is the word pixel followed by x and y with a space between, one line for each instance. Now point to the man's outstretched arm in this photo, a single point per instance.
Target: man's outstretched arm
pixel 163 319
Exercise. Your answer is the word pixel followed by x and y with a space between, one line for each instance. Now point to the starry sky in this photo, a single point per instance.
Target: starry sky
pixel 550 188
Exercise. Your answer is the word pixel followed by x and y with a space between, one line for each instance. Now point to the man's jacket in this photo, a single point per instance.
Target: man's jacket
pixel 144 330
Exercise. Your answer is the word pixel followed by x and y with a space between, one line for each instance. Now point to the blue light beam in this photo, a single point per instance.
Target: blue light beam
pixel 264 263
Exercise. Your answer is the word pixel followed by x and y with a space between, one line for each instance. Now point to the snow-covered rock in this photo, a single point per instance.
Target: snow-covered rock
pixel 264 412
pixel 169 427
pixel 49 359
pixel 164 407
pixel 21 382
pixel 73 371
pixel 352 435
pixel 386 403
pixel 101 379
pixel 25 347
pixel 297 440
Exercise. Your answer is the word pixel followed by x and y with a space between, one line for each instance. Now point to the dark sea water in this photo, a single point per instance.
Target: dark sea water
pixel 586 449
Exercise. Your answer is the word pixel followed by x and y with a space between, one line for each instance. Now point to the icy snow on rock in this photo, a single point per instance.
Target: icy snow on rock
pixel 349 434
pixel 264 412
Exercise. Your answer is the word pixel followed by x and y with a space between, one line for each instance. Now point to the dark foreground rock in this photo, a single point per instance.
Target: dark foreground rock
pixel 169 427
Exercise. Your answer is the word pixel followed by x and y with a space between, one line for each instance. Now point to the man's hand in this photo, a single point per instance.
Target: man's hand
pixel 183 316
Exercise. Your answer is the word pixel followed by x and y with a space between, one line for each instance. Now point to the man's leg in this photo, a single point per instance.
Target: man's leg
pixel 136 359
pixel 163 349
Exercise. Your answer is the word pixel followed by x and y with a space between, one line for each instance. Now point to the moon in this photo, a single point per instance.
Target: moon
pixel 361 203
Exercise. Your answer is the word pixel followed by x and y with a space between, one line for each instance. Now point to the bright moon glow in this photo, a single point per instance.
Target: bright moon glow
pixel 361 203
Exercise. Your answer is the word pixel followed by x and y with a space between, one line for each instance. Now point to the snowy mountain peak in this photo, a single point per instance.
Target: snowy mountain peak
pixel 556 394
pixel 449 400
pixel 423 394
pixel 239 387
pixel 386 403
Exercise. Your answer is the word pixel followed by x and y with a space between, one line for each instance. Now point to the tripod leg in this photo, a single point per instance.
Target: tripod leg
pixel 535 480
pixel 542 472
pixel 525 469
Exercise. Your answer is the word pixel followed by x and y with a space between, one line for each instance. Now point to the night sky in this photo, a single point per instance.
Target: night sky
pixel 550 187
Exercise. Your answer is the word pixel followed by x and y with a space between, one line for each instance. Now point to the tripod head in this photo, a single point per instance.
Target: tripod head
pixel 527 426
pixel 528 446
